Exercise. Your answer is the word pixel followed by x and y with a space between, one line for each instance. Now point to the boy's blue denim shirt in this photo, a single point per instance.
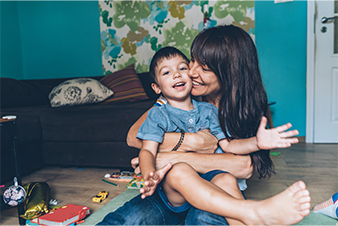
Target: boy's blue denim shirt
pixel 165 119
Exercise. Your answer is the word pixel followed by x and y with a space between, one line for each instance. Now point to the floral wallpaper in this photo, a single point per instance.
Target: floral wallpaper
pixel 132 31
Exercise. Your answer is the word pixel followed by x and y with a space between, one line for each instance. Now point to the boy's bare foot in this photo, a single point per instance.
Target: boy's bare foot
pixel 286 208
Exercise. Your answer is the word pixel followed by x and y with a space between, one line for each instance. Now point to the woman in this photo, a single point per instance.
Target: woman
pixel 224 70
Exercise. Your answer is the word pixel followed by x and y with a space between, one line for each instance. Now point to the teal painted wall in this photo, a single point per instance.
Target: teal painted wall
pixel 281 34
pixel 51 39
pixel 10 48
pixel 59 39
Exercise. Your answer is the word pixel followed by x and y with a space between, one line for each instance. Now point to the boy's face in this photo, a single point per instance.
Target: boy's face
pixel 172 78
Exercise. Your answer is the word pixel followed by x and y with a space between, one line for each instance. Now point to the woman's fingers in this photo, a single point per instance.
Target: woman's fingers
pixel 287 142
pixel 134 162
pixel 283 127
pixel 289 133
pixel 263 123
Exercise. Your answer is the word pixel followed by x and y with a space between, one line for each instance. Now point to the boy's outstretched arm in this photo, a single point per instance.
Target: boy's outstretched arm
pixel 265 139
pixel 152 178
pixel 147 156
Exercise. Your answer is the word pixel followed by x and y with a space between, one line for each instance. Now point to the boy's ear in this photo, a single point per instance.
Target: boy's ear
pixel 156 88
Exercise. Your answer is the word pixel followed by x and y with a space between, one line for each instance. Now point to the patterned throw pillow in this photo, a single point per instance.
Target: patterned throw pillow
pixel 78 91
pixel 125 84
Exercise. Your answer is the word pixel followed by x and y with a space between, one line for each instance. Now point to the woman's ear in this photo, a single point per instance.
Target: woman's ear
pixel 156 88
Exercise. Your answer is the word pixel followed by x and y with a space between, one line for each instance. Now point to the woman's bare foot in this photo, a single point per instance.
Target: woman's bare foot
pixel 286 208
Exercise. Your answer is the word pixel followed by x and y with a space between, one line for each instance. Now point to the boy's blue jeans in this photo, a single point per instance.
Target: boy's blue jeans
pixel 152 211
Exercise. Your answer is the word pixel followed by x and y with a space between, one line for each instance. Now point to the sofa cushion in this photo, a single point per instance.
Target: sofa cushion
pixel 126 85
pixel 83 154
pixel 91 123
pixel 78 91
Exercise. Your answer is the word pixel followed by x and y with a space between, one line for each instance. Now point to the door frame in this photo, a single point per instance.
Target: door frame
pixel 310 71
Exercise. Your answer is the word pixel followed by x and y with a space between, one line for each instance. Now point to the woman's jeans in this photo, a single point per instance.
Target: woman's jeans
pixel 152 211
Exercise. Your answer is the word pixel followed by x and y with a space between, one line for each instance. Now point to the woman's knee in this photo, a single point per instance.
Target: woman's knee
pixel 200 217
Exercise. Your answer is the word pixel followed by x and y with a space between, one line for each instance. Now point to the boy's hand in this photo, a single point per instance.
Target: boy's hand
pixel 276 137
pixel 153 180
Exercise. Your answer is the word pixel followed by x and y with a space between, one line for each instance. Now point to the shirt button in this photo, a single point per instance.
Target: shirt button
pixel 189 130
pixel 191 120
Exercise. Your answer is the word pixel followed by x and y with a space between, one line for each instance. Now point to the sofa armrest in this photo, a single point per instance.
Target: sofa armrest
pixel 21 93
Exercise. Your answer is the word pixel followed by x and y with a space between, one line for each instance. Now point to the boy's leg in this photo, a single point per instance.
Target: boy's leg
pixel 223 180
pixel 291 205
pixel 148 211
pixel 229 184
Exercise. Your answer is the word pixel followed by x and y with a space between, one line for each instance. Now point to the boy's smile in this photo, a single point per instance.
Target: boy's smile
pixel 179 85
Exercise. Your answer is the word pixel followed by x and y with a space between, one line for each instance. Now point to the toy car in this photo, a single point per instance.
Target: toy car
pixel 100 197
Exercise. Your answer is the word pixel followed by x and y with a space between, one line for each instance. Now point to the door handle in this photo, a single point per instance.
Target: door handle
pixel 327 19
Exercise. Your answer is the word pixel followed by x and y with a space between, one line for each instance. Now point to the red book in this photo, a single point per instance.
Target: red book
pixel 65 215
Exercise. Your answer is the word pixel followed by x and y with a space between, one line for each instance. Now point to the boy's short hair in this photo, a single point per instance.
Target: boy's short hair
pixel 163 53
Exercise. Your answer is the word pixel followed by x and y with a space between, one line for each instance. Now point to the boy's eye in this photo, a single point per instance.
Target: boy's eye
pixel 166 72
pixel 183 68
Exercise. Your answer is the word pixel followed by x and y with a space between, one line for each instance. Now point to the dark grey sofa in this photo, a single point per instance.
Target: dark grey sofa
pixel 83 136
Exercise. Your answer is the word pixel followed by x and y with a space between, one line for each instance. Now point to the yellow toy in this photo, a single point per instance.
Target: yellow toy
pixel 100 197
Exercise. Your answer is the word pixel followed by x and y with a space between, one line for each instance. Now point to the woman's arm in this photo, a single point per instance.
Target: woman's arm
pixel 265 139
pixel 238 165
pixel 132 141
pixel 201 142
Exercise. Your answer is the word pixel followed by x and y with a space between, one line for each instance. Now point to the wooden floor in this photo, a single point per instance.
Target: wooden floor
pixel 315 164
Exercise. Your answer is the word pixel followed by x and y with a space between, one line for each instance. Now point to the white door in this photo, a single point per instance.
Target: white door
pixel 325 80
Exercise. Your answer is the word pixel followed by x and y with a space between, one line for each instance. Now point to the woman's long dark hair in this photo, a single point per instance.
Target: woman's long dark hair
pixel 231 54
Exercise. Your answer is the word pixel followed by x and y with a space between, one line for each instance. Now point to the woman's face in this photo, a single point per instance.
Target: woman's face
pixel 204 81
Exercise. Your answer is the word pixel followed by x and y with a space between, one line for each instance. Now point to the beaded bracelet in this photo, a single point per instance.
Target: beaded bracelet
pixel 179 142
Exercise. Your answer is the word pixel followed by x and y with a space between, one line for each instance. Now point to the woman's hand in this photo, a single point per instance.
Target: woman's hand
pixel 135 164
pixel 276 137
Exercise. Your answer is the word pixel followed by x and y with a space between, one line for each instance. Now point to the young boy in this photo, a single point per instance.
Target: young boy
pixel 169 68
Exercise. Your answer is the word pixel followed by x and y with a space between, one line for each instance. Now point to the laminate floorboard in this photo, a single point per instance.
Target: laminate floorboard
pixel 315 164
